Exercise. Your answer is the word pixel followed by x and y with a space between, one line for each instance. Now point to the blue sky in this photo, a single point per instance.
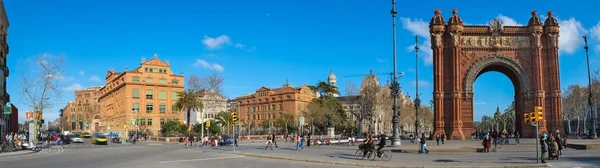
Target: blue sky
pixel 263 43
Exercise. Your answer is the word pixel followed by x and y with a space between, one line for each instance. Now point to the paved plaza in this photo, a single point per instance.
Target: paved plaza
pixel 253 154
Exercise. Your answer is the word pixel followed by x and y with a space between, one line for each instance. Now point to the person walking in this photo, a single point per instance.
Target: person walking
pixel 437 139
pixel 486 144
pixel 273 139
pixel 544 149
pixel 517 136
pixel 269 142
pixel 424 144
pixel 299 142
pixel 443 137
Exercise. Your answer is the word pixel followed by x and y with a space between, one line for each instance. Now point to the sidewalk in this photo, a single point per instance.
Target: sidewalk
pixel 399 159
pixel 454 146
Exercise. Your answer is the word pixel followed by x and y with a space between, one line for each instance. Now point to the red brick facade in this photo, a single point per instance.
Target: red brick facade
pixel 528 55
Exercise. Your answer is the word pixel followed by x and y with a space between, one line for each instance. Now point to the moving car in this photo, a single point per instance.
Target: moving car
pixel 86 135
pixel 99 139
pixel 76 138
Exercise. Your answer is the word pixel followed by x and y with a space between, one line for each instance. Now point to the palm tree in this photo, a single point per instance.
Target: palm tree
pixel 224 119
pixel 189 100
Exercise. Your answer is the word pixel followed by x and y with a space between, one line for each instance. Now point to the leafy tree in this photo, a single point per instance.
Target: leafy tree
pixel 171 127
pixel 324 113
pixel 324 89
pixel 189 100
pixel 285 121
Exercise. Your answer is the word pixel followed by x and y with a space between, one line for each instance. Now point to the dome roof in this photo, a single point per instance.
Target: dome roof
pixel 550 21
pixel 534 20
pixel 331 76
pixel 455 19
pixel 437 18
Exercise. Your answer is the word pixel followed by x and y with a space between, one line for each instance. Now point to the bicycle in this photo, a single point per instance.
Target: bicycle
pixel 500 142
pixel 360 152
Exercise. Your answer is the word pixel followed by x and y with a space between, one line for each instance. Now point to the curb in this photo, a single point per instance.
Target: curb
pixel 374 165
pixel 26 153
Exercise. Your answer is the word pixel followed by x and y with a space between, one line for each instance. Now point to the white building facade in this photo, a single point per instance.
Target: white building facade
pixel 213 104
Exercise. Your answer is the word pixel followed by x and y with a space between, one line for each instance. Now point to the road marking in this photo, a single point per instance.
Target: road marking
pixel 192 160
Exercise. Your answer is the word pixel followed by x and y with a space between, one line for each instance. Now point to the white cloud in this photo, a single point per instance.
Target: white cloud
pixel 244 47
pixel 203 64
pixel 422 83
pixel 62 77
pixel 595 34
pixel 81 73
pixel 571 31
pixel 420 28
pixel 380 60
pixel 480 103
pixel 217 42
pixel 95 78
pixel 73 87
pixel 507 21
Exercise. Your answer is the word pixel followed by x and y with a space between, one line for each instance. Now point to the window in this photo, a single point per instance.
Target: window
pixel 162 121
pixel 149 108
pixel 135 93
pixel 280 106
pixel 274 116
pixel 149 94
pixel 174 95
pixel 149 80
pixel 272 99
pixel 174 109
pixel 143 121
pixel 288 97
pixel 273 107
pixel 162 94
pixel 149 121
pixel 248 109
pixel 162 108
pixel 259 100
pixel 175 82
pixel 135 107
pixel 135 78
pixel 268 107
pixel 155 69
pixel 162 81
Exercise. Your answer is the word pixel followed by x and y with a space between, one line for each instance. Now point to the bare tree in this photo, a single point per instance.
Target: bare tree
pixel 211 92
pixel 40 86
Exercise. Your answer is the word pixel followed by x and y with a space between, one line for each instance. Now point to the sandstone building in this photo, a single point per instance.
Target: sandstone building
pixel 271 103
pixel 140 99
pixel 83 115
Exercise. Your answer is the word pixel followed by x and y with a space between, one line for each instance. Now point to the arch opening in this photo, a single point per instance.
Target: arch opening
pixel 509 68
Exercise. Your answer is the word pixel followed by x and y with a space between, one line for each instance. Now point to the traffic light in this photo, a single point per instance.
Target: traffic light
pixel 207 123
pixel 538 114
pixel 526 118
pixel 190 128
pixel 234 117
pixel 42 121
pixel 125 126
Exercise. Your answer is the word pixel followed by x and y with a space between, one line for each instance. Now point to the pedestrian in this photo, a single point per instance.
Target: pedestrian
pixel 560 144
pixel 517 136
pixel 423 144
pixel 235 140
pixel 273 139
pixel 544 149
pixel 443 138
pixel 486 144
pixel 298 142
pixel 437 139
pixel 269 142
pixel 308 140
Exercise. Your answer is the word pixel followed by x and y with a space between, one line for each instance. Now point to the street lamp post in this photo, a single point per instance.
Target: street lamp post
pixel 593 132
pixel 395 86
pixel 417 99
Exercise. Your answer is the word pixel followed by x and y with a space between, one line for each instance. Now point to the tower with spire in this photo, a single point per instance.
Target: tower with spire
pixel 332 80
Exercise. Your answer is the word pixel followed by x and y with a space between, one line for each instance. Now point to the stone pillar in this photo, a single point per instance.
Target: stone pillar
pixel 554 111
pixel 538 76
pixel 438 85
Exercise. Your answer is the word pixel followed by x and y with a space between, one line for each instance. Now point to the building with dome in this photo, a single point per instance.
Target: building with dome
pixel 332 80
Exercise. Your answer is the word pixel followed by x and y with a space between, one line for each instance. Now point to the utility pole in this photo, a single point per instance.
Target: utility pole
pixel 590 97
pixel 417 99
pixel 395 85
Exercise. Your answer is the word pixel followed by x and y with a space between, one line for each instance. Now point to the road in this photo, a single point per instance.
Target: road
pixel 156 155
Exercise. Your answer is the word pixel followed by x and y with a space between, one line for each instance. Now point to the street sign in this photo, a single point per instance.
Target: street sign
pixel 301 120
pixel 29 116
pixel 8 108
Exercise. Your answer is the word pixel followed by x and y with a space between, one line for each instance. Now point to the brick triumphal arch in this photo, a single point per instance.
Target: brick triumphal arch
pixel 527 55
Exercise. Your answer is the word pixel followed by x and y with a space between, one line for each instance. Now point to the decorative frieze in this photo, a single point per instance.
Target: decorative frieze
pixel 495 41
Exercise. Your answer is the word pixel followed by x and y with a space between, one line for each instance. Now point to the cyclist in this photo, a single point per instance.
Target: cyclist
pixel 368 144
pixel 380 145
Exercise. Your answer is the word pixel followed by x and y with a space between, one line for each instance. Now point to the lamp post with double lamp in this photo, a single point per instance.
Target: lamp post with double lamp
pixel 593 133
pixel 395 85
pixel 417 99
